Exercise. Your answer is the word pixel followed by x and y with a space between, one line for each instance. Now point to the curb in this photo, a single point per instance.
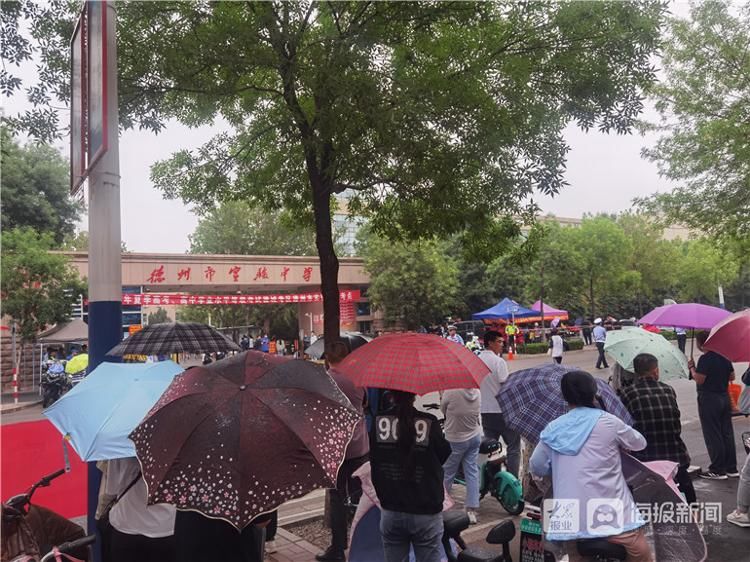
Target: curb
pixel 11 408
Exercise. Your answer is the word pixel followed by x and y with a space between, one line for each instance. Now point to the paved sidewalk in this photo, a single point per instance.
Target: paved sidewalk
pixel 291 548
pixel 25 400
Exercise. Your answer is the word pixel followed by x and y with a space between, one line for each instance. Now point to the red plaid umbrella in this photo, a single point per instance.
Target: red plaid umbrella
pixel 418 363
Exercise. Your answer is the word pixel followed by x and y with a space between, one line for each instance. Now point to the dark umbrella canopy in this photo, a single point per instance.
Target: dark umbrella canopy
pixel 239 437
pixel 531 398
pixel 176 337
pixel 352 339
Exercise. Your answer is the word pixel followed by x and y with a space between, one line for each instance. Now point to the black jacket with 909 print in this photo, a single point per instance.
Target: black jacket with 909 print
pixel 421 490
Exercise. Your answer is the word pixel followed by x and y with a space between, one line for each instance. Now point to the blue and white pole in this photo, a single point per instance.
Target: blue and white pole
pixel 105 270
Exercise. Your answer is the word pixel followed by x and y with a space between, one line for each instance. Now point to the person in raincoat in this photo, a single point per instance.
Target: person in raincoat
pixel 581 452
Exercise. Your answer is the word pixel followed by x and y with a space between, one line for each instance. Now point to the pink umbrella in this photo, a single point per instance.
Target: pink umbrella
pixel 731 337
pixel 686 315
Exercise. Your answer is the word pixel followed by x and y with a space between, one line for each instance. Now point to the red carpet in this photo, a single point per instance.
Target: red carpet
pixel 34 449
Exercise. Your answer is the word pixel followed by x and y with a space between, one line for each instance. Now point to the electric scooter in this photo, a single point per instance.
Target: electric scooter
pixel 29 530
pixel 499 483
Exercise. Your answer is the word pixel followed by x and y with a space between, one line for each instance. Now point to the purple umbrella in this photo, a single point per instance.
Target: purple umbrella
pixel 686 315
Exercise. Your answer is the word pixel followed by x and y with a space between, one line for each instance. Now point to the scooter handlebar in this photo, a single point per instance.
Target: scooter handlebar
pixel 70 546
pixel 78 543
pixel 50 477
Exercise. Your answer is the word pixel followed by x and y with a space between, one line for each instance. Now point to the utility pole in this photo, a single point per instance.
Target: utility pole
pixel 105 269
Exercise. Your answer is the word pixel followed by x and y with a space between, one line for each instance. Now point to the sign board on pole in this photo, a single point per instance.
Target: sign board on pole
pixel 88 115
pixel 78 93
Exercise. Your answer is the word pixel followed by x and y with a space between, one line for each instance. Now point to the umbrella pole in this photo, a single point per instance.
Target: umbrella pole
pixel 692 342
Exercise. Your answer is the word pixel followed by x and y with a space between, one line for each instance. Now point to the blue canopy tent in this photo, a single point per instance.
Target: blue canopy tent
pixel 506 309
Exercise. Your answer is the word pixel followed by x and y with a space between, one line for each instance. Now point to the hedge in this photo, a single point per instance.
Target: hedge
pixel 538 348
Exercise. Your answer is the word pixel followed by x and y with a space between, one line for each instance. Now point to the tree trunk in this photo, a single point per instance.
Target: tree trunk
pixel 591 297
pixel 541 301
pixel 329 262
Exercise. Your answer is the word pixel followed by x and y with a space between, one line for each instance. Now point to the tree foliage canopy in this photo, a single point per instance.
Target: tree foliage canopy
pixel 704 101
pixel 436 116
pixel 413 283
pixel 35 189
pixel 38 288
pixel 236 227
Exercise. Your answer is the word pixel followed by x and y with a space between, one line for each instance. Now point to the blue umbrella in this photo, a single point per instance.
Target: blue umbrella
pixel 532 398
pixel 101 411
pixel 505 310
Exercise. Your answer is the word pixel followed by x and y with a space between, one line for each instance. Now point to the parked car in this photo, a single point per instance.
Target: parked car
pixel 471 328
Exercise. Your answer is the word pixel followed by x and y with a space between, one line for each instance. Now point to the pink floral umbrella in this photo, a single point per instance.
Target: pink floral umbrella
pixel 237 438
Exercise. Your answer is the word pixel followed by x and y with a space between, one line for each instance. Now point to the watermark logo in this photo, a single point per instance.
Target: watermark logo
pixel 561 516
pixel 604 516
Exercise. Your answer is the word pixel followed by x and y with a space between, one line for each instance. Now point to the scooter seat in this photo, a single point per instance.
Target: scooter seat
pixel 488 446
pixel 601 548
pixel 479 554
pixel 454 522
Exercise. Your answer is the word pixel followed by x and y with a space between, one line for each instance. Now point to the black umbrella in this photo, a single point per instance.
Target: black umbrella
pixel 177 337
pixel 352 339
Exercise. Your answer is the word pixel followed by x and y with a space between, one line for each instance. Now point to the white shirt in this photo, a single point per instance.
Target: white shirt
pixel 493 381
pixel 132 515
pixel 557 346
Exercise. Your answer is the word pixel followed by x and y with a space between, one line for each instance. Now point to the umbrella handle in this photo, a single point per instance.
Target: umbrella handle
pixel 65 452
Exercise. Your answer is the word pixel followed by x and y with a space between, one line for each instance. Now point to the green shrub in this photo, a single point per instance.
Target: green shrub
pixel 537 348
pixel 574 344
pixel 669 334
pixel 533 348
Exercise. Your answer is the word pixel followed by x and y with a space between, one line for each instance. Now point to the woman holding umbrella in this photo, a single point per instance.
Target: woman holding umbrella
pixel 407 452
pixel 586 442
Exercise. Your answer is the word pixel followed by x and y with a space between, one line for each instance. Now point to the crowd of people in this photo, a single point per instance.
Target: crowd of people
pixel 415 458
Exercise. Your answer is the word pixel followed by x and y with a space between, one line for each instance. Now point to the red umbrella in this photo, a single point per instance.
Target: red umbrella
pixel 418 363
pixel 237 438
pixel 731 337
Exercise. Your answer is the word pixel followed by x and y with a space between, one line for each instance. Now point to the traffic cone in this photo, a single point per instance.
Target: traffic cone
pixel 510 354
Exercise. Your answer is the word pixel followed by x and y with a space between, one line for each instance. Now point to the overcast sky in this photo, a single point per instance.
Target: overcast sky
pixel 604 172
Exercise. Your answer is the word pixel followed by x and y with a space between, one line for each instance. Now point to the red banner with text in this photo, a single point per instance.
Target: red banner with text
pixel 156 299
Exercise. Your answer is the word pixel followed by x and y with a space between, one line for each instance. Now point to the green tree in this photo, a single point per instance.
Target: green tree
pixel 158 317
pixel 704 100
pixel 413 283
pixel 236 227
pixel 35 189
pixel 604 250
pixel 652 258
pixel 416 107
pixel 38 288
pixel 704 267
pixel 79 242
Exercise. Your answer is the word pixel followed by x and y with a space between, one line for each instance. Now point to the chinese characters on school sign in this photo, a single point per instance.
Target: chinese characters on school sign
pixel 230 273
pixel 152 299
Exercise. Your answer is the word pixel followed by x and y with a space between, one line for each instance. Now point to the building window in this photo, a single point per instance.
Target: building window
pixel 363 309
pixel 365 326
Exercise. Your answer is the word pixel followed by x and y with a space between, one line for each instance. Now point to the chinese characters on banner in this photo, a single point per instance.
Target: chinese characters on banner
pixel 230 273
pixel 152 299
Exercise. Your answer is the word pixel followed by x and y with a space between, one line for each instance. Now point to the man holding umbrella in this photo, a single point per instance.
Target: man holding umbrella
pixel 654 408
